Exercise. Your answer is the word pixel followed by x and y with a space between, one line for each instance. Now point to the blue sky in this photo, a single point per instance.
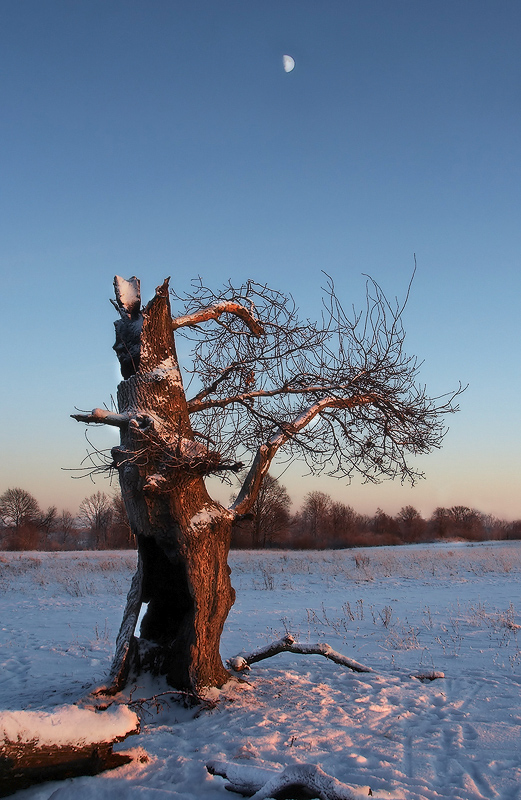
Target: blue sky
pixel 164 138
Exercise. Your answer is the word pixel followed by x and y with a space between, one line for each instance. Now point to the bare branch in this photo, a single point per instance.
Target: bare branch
pixel 196 401
pixel 266 453
pixel 197 404
pixel 253 388
pixel 215 311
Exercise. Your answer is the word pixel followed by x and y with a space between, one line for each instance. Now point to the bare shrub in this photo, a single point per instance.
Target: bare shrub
pixel 403 637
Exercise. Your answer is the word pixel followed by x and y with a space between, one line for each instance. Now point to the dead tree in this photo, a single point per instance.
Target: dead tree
pixel 342 395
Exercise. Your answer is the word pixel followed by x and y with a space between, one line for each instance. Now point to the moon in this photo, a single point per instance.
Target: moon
pixel 288 63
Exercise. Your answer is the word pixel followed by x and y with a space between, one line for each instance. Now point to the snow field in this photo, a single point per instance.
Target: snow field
pixel 450 608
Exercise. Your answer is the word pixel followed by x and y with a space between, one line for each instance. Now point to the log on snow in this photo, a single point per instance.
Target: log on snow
pixel 288 644
pixel 296 781
pixel 34 746
pixel 23 764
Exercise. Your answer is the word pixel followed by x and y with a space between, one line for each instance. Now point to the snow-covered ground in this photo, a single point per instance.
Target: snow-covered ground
pixel 450 608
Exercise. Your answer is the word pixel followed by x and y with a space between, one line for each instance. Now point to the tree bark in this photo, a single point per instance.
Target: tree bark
pixel 37 747
pixel 24 764
pixel 183 535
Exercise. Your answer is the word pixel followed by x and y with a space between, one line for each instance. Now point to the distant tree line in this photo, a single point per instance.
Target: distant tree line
pixel 101 523
pixel 324 523
pixel 321 523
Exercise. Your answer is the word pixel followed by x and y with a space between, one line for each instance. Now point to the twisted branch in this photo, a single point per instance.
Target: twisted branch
pixel 215 311
pixel 241 663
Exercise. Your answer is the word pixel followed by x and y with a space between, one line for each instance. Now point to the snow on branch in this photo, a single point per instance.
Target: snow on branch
pixel 102 417
pixel 296 780
pixel 241 663
pixel 215 311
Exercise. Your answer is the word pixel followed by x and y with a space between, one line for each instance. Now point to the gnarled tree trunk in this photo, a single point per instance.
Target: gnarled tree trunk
pixel 183 535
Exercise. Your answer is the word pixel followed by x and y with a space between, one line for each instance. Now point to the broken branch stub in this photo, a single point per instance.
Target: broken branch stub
pixel 100 416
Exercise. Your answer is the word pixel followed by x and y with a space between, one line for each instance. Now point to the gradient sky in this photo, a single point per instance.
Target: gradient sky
pixel 155 138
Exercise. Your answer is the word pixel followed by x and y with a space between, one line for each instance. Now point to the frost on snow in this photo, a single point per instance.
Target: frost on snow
pixel 67 725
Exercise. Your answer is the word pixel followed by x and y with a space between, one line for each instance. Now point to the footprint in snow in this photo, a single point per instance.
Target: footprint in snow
pixel 14 671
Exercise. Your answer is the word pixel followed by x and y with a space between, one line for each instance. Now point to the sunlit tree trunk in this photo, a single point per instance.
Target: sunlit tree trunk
pixel 183 535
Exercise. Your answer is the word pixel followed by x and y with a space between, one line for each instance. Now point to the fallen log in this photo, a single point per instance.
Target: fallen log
pixel 241 663
pixel 37 746
pixel 295 781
